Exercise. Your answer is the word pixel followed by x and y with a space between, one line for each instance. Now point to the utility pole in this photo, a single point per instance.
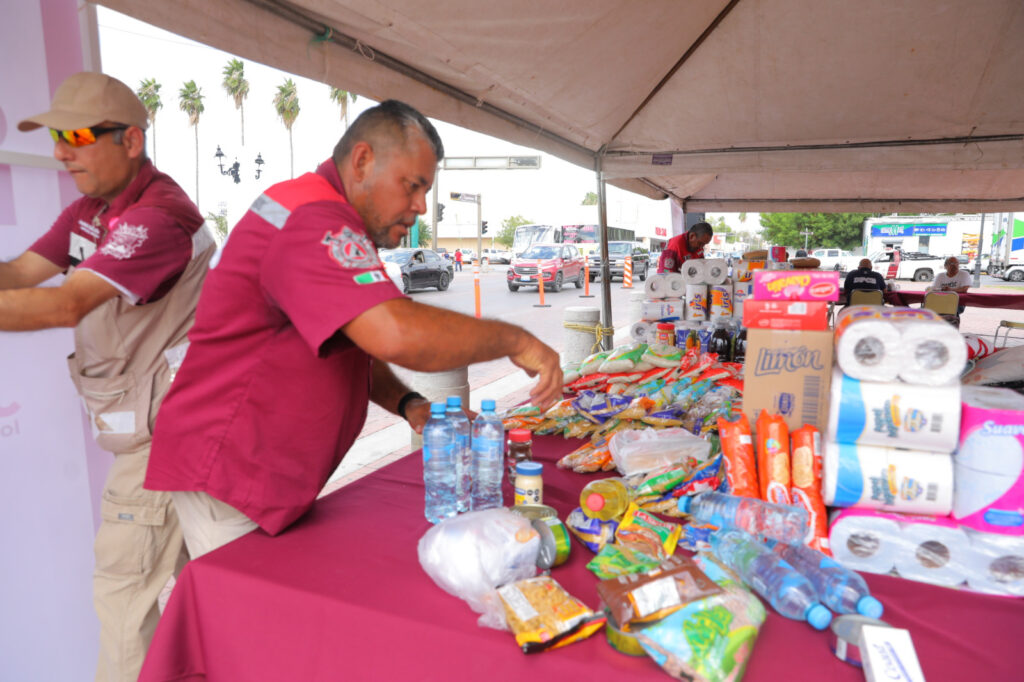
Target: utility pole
pixel 437 223
pixel 806 234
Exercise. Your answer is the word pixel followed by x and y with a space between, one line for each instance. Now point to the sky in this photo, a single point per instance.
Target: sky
pixel 132 51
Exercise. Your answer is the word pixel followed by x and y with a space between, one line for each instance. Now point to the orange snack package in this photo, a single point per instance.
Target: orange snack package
pixel 805 468
pixel 773 458
pixel 738 449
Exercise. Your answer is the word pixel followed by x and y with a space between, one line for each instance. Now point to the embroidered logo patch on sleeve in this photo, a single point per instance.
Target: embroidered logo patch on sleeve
pixel 371 277
pixel 124 241
pixel 350 250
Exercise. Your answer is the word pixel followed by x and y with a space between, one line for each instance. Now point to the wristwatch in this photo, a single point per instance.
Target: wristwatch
pixel 411 395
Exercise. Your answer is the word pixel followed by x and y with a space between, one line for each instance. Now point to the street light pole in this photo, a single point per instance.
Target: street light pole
pixel 437 223
pixel 479 233
pixel 806 234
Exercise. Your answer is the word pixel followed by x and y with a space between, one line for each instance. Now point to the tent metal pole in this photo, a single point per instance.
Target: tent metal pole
pixel 977 257
pixel 606 284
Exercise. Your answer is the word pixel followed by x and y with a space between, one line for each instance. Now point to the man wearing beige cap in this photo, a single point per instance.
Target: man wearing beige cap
pixel 134 251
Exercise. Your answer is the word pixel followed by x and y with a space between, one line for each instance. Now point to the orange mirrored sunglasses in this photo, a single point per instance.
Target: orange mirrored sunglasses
pixel 83 136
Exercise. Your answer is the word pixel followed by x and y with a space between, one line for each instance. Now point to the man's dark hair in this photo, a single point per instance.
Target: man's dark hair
pixel 702 229
pixel 390 120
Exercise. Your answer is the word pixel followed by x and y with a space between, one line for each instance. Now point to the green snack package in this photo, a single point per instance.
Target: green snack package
pixel 613 561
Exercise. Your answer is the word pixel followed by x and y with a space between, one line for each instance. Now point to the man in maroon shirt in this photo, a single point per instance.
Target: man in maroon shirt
pixel 295 329
pixel 684 247
pixel 134 250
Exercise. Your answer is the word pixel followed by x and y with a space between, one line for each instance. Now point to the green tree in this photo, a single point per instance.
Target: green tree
pixel 834 230
pixel 237 87
pixel 286 102
pixel 190 100
pixel 149 93
pixel 341 98
pixel 589 199
pixel 508 230
pixel 220 224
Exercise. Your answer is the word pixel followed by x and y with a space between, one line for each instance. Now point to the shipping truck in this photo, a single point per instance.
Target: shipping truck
pixel 1007 261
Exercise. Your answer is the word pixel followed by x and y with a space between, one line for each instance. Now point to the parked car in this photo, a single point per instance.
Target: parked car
pixel 557 263
pixel 617 252
pixel 836 259
pixel 417 269
pixel 494 256
pixel 920 267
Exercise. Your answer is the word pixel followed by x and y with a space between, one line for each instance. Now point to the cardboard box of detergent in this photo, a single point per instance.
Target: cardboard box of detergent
pixel 788 373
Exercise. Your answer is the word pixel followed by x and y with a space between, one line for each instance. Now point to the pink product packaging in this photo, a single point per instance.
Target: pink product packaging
pixel 795 285
pixel 989 463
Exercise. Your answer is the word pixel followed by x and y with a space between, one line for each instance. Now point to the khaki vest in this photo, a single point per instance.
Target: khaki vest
pixel 126 355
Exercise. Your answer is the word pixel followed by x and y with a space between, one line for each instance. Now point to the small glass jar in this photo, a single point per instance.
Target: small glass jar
pixel 529 483
pixel 520 449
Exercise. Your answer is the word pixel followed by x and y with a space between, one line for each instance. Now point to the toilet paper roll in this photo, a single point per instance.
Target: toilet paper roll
pixel 675 286
pixel 869 476
pixel 741 291
pixel 864 542
pixel 694 271
pixel 662 309
pixel 721 307
pixel 934 352
pixel 641 331
pixel 996 564
pixel 867 346
pixel 989 463
pixel 894 414
pixel 657 286
pixel 716 271
pixel 696 302
pixel 936 552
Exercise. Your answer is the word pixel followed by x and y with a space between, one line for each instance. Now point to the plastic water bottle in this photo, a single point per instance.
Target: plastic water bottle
pixel 439 472
pixel 789 593
pixel 762 519
pixel 837 587
pixel 488 457
pixel 604 499
pixel 463 453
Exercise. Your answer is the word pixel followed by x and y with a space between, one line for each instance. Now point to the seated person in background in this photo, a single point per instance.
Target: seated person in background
pixel 953 279
pixel 685 246
pixel 862 278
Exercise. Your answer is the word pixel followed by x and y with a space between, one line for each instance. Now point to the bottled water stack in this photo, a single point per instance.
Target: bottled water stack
pixel 761 519
pixel 837 587
pixel 789 593
pixel 488 446
pixel 439 466
pixel 463 453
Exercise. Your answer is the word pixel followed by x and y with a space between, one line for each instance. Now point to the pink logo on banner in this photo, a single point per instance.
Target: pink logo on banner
pixel 9 428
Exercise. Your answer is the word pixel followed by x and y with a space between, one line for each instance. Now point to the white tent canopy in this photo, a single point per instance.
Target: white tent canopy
pixel 725 105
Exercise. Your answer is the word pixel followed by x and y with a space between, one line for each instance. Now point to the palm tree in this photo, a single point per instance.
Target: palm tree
pixel 237 87
pixel 149 93
pixel 341 97
pixel 190 100
pixel 286 101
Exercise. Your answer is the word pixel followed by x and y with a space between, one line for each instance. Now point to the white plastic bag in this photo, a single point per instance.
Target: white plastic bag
pixel 641 451
pixel 472 554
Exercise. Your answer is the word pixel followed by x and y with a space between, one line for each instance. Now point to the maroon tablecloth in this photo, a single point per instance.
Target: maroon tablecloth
pixel 1011 301
pixel 341 595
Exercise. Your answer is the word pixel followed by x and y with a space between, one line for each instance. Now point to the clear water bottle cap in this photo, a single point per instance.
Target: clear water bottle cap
pixel 870 607
pixel 437 408
pixel 487 405
pixel 454 401
pixel 529 468
pixel 818 616
pixel 684 504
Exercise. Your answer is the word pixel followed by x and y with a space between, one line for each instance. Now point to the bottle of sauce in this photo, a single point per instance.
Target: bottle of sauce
pixel 529 485
pixel 719 342
pixel 739 346
pixel 520 449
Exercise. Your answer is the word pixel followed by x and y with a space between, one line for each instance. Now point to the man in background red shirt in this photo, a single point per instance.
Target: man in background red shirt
pixel 684 247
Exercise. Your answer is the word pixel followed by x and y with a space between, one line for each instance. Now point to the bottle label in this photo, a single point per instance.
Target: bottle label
pixel 528 495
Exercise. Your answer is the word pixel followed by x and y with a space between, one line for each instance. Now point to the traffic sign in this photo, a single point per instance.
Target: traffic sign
pixel 465 196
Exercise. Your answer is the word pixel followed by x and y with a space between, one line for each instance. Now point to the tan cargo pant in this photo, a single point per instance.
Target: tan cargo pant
pixel 138 548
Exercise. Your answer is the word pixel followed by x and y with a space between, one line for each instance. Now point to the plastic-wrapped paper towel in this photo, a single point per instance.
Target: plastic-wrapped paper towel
pixel 869 476
pixel 716 271
pixel 997 563
pixel 662 309
pixel 694 271
pixel 863 541
pixel 721 307
pixel 878 344
pixel 664 285
pixel 696 302
pixel 989 464
pixel 894 414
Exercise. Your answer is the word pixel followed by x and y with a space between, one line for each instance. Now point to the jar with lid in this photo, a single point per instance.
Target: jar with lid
pixel 529 485
pixel 520 449
pixel 665 333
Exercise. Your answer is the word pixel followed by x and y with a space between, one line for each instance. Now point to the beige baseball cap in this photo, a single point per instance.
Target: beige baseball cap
pixel 87 99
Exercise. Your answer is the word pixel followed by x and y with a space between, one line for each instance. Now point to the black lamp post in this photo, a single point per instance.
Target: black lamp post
pixel 235 169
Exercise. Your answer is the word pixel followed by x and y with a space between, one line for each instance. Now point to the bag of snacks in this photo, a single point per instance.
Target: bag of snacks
pixel 544 616
pixel 773 458
pixel 592 532
pixel 805 470
pixel 738 449
pixel 654 594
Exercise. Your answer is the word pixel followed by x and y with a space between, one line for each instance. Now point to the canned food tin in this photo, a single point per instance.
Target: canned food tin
pixel 554 542
pixel 535 511
pixel 623 642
